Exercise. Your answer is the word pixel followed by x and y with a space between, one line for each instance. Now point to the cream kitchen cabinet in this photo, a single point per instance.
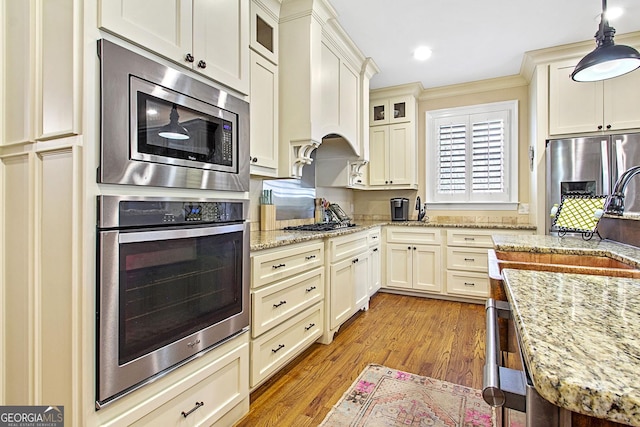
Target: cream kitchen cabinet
pixel 287 305
pixel 42 80
pixel 213 390
pixel 348 272
pixel 210 37
pixel 264 90
pixel 264 116
pixel 392 139
pixel 398 109
pixel 413 259
pixel 264 28
pixel 467 261
pixel 578 107
pixel 375 266
pixel 393 156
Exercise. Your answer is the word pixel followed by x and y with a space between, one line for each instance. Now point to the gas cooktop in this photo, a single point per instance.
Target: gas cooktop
pixel 322 226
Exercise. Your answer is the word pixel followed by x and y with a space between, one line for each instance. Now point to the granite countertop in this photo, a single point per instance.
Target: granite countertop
pixel 580 337
pixel 567 245
pixel 580 334
pixel 273 239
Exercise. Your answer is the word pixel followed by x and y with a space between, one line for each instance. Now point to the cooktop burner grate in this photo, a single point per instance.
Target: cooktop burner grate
pixel 322 226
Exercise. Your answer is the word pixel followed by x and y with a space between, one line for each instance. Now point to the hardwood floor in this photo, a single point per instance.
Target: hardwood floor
pixel 440 339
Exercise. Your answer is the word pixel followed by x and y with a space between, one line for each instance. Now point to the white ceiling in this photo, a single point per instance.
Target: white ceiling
pixel 471 39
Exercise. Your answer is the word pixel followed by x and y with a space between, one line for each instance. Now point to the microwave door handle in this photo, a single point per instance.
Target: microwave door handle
pixel 151 236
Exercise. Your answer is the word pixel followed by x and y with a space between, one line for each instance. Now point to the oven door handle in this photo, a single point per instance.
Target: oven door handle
pixel 150 236
pixel 501 386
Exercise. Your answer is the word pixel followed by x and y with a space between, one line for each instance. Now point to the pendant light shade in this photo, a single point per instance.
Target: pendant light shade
pixel 173 130
pixel 608 60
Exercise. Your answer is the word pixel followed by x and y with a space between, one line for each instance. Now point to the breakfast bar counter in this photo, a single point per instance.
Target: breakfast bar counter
pixel 580 339
pixel 579 333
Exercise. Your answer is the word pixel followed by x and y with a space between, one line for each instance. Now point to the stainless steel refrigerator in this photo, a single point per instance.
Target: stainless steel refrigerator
pixel 591 165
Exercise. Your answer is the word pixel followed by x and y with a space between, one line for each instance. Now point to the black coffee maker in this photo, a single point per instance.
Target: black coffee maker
pixel 399 209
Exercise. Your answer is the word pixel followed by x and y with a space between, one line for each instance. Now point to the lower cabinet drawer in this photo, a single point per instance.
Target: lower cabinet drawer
pixel 468 259
pixel 278 346
pixel 224 384
pixel 273 304
pixel 475 285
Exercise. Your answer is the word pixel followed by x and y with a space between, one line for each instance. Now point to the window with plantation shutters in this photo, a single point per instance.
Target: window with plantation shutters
pixel 472 154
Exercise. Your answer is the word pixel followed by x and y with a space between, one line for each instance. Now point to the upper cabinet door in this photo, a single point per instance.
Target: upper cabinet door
pixel 573 106
pixel 211 37
pixel 221 41
pixel 622 102
pixel 578 107
pixel 162 26
pixel 264 31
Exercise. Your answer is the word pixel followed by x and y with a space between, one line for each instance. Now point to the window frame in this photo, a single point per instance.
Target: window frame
pixel 506 200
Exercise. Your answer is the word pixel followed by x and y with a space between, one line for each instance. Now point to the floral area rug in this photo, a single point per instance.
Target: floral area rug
pixel 384 397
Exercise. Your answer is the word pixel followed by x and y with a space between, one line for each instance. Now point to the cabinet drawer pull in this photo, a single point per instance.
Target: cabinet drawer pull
pixel 277 266
pixel 375 249
pixel 202 64
pixel 279 304
pixel 188 57
pixel 374 237
pixel 311 325
pixel 198 404
pixel 469 259
pixel 309 257
pixel 469 284
pixel 310 289
pixel 469 238
pixel 280 347
pixel 355 260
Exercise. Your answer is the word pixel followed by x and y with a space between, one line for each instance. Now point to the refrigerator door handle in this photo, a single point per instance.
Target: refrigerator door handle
pixel 606 173
pixel 620 167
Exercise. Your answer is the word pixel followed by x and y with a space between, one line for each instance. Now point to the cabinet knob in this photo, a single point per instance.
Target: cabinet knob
pixel 189 58
pixel 608 126
pixel 202 64
pixel 386 182
pixel 600 127
pixel 409 247
pixel 414 248
pixel 254 159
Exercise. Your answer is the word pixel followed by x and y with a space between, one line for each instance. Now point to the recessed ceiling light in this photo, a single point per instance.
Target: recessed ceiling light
pixel 422 53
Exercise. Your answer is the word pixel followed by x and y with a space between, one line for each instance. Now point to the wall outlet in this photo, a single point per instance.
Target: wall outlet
pixel 523 208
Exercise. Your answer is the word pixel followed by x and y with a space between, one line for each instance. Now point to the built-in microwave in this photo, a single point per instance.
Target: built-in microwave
pixel 161 127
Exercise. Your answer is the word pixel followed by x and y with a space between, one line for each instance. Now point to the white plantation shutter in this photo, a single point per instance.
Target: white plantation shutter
pixel 452 146
pixel 472 153
pixel 487 156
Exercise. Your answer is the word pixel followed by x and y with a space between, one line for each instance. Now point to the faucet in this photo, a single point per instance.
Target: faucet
pixel 615 203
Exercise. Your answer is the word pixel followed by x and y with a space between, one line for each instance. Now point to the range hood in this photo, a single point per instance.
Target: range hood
pixel 325 85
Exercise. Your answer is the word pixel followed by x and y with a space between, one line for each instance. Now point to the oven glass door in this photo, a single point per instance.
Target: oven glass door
pixel 172 287
pixel 164 295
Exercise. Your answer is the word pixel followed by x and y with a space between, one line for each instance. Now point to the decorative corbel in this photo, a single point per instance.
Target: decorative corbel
pixel 302 155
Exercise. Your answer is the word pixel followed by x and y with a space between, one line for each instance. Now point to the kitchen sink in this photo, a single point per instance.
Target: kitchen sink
pixel 558 263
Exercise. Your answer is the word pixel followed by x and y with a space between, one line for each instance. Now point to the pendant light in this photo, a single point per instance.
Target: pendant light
pixel 173 130
pixel 608 60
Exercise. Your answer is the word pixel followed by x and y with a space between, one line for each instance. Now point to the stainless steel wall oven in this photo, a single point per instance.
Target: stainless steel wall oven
pixel 161 127
pixel 173 281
